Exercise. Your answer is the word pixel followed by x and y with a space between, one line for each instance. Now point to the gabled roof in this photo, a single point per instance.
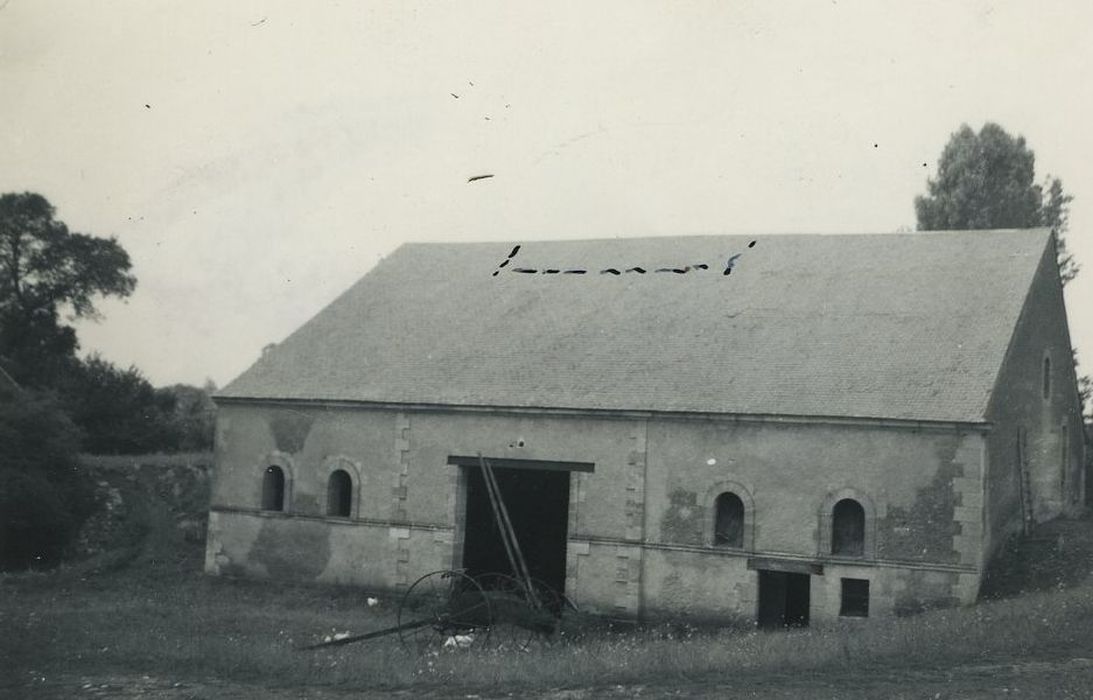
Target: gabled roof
pixel 897 326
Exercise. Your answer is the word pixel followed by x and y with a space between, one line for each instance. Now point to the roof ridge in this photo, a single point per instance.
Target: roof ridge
pixel 1043 230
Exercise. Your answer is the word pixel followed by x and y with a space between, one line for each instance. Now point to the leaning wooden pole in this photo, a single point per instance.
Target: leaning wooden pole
pixel 522 572
pixel 502 523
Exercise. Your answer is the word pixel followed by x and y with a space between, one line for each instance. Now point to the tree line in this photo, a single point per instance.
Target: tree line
pixel 55 404
pixel 50 275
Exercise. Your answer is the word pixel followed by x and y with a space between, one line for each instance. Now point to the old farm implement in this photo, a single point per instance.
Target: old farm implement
pixel 450 609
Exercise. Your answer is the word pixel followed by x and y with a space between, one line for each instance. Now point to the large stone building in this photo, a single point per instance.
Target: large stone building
pixel 692 427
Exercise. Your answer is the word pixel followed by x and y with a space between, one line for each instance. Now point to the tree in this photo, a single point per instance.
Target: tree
pixel 46 270
pixel 987 180
pixel 119 410
pixel 194 417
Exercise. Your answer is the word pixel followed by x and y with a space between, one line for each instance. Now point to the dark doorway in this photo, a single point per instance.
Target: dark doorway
pixel 538 505
pixel 783 599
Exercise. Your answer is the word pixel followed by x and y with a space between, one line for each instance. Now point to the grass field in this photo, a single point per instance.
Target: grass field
pixel 154 626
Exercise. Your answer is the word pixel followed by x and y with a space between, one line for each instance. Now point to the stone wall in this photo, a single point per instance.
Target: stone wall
pixel 640 526
pixel 1047 429
pixel 132 490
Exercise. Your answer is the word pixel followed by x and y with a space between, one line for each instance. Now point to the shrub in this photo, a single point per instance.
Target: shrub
pixel 44 493
pixel 36 523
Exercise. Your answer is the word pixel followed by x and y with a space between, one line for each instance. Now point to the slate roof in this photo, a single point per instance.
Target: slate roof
pixel 898 326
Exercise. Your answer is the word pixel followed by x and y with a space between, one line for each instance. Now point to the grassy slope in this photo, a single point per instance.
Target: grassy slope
pixel 166 623
pixel 157 617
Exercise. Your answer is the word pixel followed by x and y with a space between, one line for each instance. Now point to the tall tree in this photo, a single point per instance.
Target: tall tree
pixel 47 271
pixel 988 180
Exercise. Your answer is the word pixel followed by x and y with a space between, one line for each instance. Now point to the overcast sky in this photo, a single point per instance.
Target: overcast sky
pixel 256 158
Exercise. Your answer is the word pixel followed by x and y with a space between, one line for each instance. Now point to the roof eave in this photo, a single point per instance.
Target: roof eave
pixel 943 425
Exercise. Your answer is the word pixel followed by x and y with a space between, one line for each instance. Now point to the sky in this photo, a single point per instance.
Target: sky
pixel 257 158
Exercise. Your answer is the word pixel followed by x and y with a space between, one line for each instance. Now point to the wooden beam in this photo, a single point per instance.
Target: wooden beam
pixel 543 464
pixel 793 566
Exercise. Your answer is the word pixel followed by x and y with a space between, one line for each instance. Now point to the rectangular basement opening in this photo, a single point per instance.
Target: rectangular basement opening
pixel 537 497
pixel 783 599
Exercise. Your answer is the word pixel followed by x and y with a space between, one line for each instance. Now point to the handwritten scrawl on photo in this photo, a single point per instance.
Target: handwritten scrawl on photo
pixel 729 264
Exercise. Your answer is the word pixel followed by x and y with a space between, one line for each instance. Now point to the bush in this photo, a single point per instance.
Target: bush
pixel 44 493
pixel 36 522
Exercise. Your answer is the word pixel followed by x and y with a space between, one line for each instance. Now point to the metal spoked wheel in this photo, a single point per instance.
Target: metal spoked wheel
pixel 444 610
pixel 520 618
pixel 509 608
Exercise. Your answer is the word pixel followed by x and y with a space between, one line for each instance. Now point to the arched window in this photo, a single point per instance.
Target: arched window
pixel 339 494
pixel 848 528
pixel 1047 377
pixel 273 488
pixel 728 527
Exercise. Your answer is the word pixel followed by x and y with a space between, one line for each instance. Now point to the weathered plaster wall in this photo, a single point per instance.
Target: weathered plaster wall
pixel 1019 407
pixel 640 526
pixel 304 441
pixel 403 484
pixel 920 490
pixel 894 590
pixel 908 478
pixel 302 543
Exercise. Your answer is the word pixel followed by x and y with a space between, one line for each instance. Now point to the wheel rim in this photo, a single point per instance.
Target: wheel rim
pixel 444 610
pixel 519 619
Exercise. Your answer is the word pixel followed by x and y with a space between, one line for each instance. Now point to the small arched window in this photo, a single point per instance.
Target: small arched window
pixel 728 527
pixel 339 494
pixel 1047 377
pixel 848 528
pixel 273 489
